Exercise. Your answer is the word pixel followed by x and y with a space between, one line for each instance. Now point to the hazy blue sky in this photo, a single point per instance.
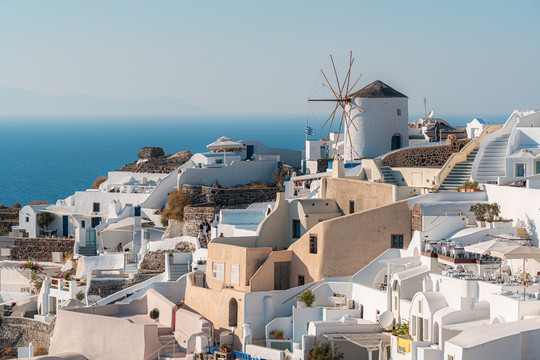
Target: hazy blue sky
pixel 467 57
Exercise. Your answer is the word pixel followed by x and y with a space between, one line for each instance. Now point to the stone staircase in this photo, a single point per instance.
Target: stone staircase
pixel 388 175
pixel 492 164
pixel 177 270
pixel 89 250
pixel 170 348
pixel 130 264
pixel 459 174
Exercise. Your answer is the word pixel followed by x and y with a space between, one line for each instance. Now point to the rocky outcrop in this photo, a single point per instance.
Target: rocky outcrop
pixel 105 288
pixel 19 332
pixel 160 164
pixel 150 152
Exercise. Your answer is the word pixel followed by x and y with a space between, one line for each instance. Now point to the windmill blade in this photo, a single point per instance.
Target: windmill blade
pixel 335 73
pixel 348 76
pixel 347 115
pixel 359 108
pixel 352 87
pixel 350 139
pixel 330 127
pixel 332 114
pixel 351 62
pixel 329 85
pixel 335 93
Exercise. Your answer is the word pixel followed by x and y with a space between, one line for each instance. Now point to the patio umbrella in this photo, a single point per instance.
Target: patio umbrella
pixel 486 247
pixel 225 143
pixel 518 252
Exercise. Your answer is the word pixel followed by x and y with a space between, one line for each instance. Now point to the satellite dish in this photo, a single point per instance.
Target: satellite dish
pixel 430 115
pixel 386 319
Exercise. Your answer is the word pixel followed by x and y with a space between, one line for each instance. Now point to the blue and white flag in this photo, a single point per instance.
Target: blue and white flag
pixel 310 131
pixel 327 150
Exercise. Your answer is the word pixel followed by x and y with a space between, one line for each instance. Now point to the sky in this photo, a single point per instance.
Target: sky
pixel 253 57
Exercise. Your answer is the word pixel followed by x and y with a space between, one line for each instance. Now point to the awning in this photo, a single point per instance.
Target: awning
pixel 225 143
pixel 365 340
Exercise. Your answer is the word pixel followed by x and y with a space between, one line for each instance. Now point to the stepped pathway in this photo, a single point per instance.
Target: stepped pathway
pixel 492 164
pixel 177 270
pixel 388 175
pixel 459 174
pixel 88 250
pixel 170 347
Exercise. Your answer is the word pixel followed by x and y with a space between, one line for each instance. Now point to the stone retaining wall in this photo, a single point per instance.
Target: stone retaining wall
pixel 19 332
pixel 428 156
pixel 195 215
pixel 40 249
pixel 229 197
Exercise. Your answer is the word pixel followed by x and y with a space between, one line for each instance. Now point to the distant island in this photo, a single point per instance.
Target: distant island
pixel 18 102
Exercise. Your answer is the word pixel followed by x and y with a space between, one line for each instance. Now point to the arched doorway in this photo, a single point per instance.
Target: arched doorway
pixel 233 312
pixel 396 141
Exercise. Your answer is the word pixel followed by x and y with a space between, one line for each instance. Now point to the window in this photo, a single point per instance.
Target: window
pixel 83 224
pixel 129 205
pixel 397 241
pixel 301 280
pixel 520 169
pixel 296 229
pixel 219 161
pixel 235 274
pixel 312 244
pixel 95 221
pixel 450 357
pixel 537 167
pixel 420 306
pixel 351 206
pixel 398 112
pixel 217 271
pixel 27 219
pixel 95 207
pixel 323 154
pixel 395 302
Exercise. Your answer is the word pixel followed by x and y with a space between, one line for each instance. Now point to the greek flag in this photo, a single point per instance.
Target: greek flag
pixel 310 131
pixel 327 150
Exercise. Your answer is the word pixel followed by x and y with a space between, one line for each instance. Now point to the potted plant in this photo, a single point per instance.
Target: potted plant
pixel 224 348
pixel 470 186
pixel 479 211
pixel 277 334
pixel 307 297
pixel 492 212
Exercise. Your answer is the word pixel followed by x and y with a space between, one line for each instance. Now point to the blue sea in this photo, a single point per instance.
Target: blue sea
pixel 49 159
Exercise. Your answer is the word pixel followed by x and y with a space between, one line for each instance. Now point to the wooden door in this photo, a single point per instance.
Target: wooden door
pixel 282 275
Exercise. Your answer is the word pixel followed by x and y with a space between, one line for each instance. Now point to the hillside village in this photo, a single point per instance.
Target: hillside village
pixel 391 240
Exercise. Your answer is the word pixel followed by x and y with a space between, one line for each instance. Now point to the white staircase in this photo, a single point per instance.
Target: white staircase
pixel 492 160
pixel 177 270
pixel 388 175
pixel 130 264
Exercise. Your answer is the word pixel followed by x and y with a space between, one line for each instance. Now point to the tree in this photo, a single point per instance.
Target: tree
pixel 178 199
pixel 323 351
pixel 307 297
pixel 99 180
pixel 45 219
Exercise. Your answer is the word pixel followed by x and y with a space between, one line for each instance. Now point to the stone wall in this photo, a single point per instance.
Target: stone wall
pixel 208 201
pixel 19 332
pixel 427 156
pixel 229 197
pixel 194 215
pixel 40 249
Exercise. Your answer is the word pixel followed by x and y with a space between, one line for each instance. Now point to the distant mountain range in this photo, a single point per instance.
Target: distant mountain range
pixel 18 102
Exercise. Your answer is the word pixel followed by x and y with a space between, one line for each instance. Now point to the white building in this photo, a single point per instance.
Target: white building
pixel 475 128
pixel 382 126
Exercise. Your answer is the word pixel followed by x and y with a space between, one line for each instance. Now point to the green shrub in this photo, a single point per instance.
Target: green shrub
pixel 80 295
pixel 402 329
pixel 307 297
pixel 45 219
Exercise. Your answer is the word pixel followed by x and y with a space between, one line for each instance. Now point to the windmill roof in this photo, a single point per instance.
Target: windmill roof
pixel 377 89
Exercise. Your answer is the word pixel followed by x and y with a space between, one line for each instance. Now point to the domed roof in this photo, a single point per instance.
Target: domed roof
pixel 377 89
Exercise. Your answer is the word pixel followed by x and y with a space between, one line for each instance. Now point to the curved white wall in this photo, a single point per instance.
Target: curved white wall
pixel 373 129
